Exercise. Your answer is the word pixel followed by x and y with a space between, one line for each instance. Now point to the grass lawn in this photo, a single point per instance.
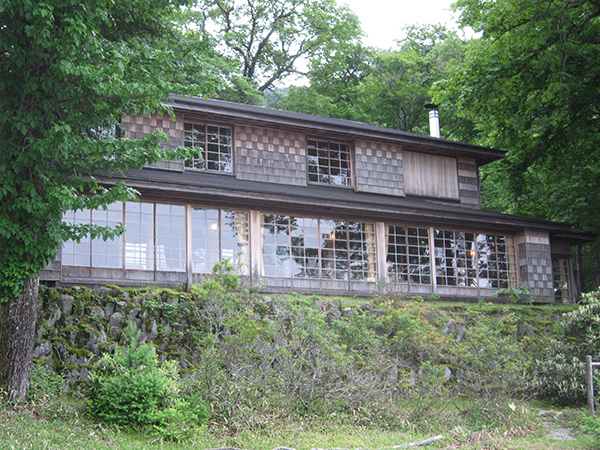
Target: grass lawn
pixel 62 424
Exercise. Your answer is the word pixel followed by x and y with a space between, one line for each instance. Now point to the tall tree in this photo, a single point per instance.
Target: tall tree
pixel 335 84
pixel 69 70
pixel 270 40
pixel 402 80
pixel 530 84
pixel 382 87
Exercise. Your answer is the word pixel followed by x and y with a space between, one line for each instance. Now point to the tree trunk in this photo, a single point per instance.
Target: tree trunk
pixel 17 333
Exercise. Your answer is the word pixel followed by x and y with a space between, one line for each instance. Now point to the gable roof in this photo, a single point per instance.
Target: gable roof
pixel 327 126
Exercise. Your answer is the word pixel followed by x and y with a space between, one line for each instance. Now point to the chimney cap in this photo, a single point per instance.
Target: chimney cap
pixel 431 106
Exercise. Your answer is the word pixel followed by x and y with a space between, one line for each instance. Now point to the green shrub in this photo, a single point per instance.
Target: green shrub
pixel 591 424
pixel 131 389
pixel 560 379
pixel 560 376
pixel 44 382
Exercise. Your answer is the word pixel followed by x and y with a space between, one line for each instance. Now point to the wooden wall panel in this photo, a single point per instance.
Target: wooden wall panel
pixel 430 175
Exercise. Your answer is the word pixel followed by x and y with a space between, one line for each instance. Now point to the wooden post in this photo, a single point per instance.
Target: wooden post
pixel 589 369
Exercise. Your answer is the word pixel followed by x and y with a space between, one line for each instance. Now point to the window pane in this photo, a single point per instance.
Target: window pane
pixel 205 239
pixel 235 240
pixel 454 258
pixel 408 253
pixel 276 245
pixel 560 273
pixel 170 238
pixel 328 163
pixel 108 254
pixel 214 147
pixel 195 137
pixel 139 236
pixel 362 251
pixel 305 247
pixel 77 253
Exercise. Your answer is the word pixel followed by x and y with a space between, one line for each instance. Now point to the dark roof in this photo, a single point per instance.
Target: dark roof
pixel 227 191
pixel 319 124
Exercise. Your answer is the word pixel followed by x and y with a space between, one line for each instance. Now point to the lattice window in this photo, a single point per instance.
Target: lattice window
pixel 329 163
pixel 219 234
pixel 170 238
pixel 455 258
pixel 408 255
pixel 496 261
pixel 304 247
pixel 213 144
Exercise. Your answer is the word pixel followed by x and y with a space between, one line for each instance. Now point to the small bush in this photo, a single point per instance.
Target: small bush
pixel 560 379
pixel 129 388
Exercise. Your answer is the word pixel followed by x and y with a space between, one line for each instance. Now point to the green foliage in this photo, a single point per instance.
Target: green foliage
pixel 591 424
pixel 264 41
pixel 529 85
pixel 385 364
pixel 560 378
pixel 516 294
pixel 69 72
pixel 44 382
pixel 131 389
pixel 560 375
pixel 582 326
pixel 386 87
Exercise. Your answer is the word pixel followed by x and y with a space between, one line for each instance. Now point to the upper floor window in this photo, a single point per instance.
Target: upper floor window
pixel 214 147
pixel 329 163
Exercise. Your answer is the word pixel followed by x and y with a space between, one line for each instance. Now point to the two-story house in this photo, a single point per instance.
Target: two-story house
pixel 311 204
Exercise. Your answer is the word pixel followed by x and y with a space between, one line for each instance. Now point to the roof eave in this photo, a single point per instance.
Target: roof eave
pixel 419 142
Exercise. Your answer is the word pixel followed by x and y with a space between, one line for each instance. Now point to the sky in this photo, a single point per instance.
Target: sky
pixel 382 20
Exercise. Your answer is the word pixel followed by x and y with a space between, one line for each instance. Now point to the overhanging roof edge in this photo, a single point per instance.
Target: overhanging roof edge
pixel 259 113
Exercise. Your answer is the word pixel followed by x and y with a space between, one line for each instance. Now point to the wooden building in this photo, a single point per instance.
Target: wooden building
pixel 310 204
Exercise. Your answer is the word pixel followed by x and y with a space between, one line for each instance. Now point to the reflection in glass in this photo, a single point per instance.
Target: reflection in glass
pixel 219 234
pixel 304 247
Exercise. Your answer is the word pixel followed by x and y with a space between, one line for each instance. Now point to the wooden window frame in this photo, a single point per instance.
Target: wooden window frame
pixel 202 163
pixel 324 174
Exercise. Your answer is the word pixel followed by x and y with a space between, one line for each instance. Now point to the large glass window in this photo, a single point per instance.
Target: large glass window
pixel 408 255
pixel 329 163
pixel 303 247
pixel 276 246
pixel 139 236
pixel 496 261
pixel 455 258
pixel 156 238
pixel 474 260
pixel 219 234
pixel 77 253
pixel 461 259
pixel 109 253
pixel 213 144
pixel 95 252
pixel 170 238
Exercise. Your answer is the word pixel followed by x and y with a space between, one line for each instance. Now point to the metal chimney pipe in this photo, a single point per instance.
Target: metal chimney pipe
pixel 434 120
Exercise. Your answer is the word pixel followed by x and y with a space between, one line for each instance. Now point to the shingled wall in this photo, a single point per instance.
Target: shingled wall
pixel 535 264
pixel 139 126
pixel 379 168
pixel 270 155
